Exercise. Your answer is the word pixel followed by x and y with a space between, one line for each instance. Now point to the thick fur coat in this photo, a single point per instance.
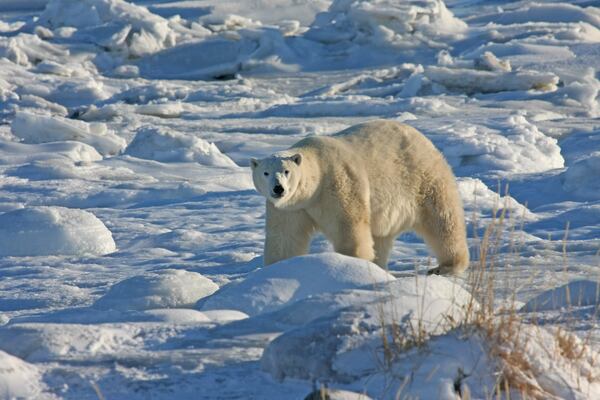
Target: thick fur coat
pixel 361 188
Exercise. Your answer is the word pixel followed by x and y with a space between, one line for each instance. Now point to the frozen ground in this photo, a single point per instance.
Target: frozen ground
pixel 126 129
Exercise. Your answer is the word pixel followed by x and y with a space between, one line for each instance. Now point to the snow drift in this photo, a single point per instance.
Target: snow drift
pixel 18 379
pixel 44 231
pixel 168 288
pixel 276 285
pixel 344 344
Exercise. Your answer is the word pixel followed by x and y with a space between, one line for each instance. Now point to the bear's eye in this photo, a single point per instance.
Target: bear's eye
pixel 286 172
pixel 266 174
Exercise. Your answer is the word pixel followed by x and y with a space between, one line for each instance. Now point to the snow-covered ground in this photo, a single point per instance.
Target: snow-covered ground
pixel 131 236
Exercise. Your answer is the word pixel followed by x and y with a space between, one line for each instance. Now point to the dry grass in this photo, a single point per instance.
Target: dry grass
pixel 497 320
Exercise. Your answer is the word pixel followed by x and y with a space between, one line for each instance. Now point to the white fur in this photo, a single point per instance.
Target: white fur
pixel 362 187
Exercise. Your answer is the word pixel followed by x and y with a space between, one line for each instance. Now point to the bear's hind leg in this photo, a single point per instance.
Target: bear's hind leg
pixel 383 246
pixel 288 234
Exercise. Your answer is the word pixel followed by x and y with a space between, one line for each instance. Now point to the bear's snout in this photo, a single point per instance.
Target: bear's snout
pixel 278 191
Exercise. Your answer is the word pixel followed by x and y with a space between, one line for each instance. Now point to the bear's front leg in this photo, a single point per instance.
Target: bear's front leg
pixel 287 234
pixel 354 239
pixel 344 217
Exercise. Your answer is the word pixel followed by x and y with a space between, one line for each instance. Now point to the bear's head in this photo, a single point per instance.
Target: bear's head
pixel 277 177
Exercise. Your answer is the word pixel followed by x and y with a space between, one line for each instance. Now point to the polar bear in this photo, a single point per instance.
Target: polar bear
pixel 361 188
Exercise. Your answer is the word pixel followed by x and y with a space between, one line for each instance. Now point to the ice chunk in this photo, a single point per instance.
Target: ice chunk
pixel 159 145
pixel 478 81
pixel 404 24
pixel 33 128
pixel 113 24
pixel 330 347
pixel 43 231
pixel 274 286
pixel 168 288
pixel 27 50
pixel 18 379
pixel 72 152
pixel 573 294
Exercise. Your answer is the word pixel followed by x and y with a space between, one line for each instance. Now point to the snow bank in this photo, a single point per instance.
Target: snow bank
pixel 507 145
pixel 345 345
pixel 44 231
pixel 168 288
pixel 477 197
pixel 581 177
pixel 18 379
pixel 159 145
pixel 385 23
pixel 113 24
pixel 32 128
pixel 573 294
pixel 279 284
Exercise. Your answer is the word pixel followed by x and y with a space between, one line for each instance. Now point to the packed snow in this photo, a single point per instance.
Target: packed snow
pixel 46 231
pixel 131 237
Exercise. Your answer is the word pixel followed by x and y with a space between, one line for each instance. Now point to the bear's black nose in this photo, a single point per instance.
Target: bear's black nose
pixel 278 189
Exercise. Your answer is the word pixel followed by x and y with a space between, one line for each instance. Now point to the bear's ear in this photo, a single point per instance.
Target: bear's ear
pixel 253 163
pixel 297 158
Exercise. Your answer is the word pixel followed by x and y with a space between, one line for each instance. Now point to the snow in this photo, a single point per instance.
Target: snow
pixel 33 128
pixel 340 345
pixel 114 24
pixel 574 294
pixel 43 231
pixel 164 289
pixel 131 236
pixel 18 379
pixel 154 144
pixel 287 281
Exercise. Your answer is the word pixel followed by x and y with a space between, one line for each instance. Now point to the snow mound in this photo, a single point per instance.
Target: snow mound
pixel 287 281
pixel 558 364
pixel 159 145
pixel 478 197
pixel 385 23
pixel 573 294
pixel 176 316
pixel 581 178
pixel 43 231
pixel 18 379
pixel 50 341
pixel 33 128
pixel 330 347
pixel 168 288
pixel 113 24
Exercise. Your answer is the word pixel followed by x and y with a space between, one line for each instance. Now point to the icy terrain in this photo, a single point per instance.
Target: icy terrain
pixel 131 235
